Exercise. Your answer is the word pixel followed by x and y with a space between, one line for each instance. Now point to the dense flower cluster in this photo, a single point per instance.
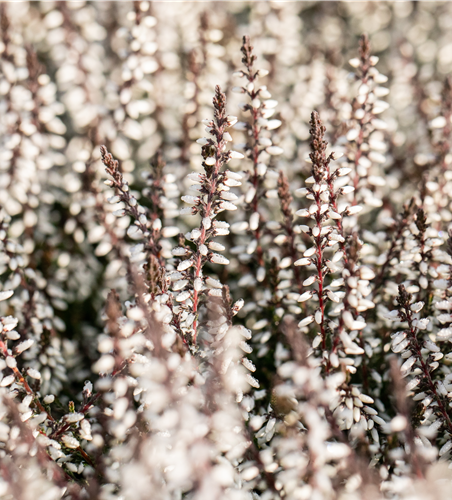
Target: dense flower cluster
pixel 208 293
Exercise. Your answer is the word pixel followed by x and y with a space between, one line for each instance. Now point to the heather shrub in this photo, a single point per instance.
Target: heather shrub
pixel 225 250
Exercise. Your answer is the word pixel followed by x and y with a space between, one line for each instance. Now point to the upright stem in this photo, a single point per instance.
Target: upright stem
pixel 404 301
pixel 202 238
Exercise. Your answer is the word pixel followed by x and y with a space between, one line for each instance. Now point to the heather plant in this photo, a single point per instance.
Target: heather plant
pixel 225 251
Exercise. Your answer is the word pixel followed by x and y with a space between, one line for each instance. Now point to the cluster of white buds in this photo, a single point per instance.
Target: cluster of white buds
pixel 306 397
pixel 31 127
pixel 258 148
pixel 421 260
pixel 147 225
pixel 324 208
pixel 420 356
pixel 33 304
pixel 438 180
pixel 364 140
pixel 135 44
pixel 22 381
pixel 215 196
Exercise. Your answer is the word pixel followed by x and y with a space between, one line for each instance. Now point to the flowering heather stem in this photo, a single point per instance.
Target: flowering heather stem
pixel 207 212
pixel 405 314
pixel 401 225
pixel 319 170
pixel 122 188
pixel 364 55
pixel 20 378
pixel 253 92
pixel 251 75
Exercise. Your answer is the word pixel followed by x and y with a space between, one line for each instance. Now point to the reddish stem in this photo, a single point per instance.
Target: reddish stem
pixel 207 213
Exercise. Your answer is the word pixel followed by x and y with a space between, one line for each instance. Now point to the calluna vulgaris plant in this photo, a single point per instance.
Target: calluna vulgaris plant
pixel 183 318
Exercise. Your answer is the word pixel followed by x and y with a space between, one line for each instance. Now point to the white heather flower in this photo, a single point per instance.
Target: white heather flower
pixel 184 265
pixel 273 124
pixel 421 324
pixel 250 472
pixel 192 200
pixel 305 296
pixel 332 296
pixel 254 221
pixel 408 364
pixel 6 294
pixel 34 373
pixel 216 258
pixel 306 321
pixel 318 316
pixel 226 205
pixel 193 176
pixel 271 103
pixel 309 281
pixel 7 381
pixel 354 210
pixel 438 122
pixel 105 364
pixel 210 161
pixel 445 448
pixel 394 314
pixel 85 430
pixel 274 150
pixel 366 273
pixel 260 275
pixel 252 381
pixel 241 126
pixel 11 362
pixel 234 175
pixel 170 231
pixel 70 441
pixel 417 306
pixel 220 231
pixel 179 251
pixel 227 195
pixel 358 325
pixel 230 182
pixel 74 417
pixel 178 285
pixel 183 296
pixel 211 282
pixel 261 169
pixel 213 245
pixel 235 154
pixel 302 262
pixel 238 305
